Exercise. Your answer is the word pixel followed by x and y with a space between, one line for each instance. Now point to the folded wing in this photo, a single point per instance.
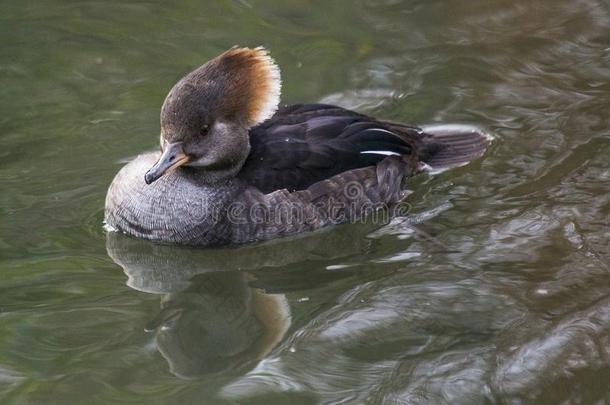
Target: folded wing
pixel 305 144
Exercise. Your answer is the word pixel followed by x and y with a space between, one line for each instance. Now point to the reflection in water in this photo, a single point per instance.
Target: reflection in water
pixel 225 309
pixel 209 321
pixel 218 323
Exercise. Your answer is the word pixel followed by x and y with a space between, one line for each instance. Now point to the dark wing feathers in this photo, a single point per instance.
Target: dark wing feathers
pixel 325 202
pixel 304 144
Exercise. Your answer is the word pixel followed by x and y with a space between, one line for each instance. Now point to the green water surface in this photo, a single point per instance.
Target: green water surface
pixel 495 290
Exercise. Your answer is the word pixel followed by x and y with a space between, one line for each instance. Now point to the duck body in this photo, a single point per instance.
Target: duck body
pixel 237 179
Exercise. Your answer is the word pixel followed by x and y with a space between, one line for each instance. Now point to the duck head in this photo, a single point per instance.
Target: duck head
pixel 206 116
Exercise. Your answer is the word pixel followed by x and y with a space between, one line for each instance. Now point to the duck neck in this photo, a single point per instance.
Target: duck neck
pixel 213 175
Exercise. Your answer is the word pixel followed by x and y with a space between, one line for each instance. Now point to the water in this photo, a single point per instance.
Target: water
pixel 496 290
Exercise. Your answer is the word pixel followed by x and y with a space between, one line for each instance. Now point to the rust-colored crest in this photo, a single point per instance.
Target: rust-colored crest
pixel 242 84
pixel 255 79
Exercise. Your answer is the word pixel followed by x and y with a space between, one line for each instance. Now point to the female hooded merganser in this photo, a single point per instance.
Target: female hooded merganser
pixel 233 170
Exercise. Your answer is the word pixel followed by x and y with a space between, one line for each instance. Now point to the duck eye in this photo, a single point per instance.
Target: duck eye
pixel 204 129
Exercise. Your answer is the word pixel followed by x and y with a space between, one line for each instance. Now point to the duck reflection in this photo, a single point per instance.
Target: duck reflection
pixel 209 321
pixel 218 323
pixel 219 311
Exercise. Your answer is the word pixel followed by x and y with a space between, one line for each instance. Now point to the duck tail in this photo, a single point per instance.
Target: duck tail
pixel 448 146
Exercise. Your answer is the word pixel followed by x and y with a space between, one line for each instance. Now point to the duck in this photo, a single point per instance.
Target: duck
pixel 235 168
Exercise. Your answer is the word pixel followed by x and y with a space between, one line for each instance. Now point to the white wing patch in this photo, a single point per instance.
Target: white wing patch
pixel 380 152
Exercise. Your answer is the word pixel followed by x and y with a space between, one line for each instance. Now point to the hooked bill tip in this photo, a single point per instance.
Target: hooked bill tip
pixel 148 178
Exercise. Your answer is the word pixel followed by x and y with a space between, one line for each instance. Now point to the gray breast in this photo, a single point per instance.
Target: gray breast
pixel 176 208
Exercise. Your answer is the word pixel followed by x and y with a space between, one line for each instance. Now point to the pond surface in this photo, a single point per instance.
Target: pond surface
pixel 495 290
